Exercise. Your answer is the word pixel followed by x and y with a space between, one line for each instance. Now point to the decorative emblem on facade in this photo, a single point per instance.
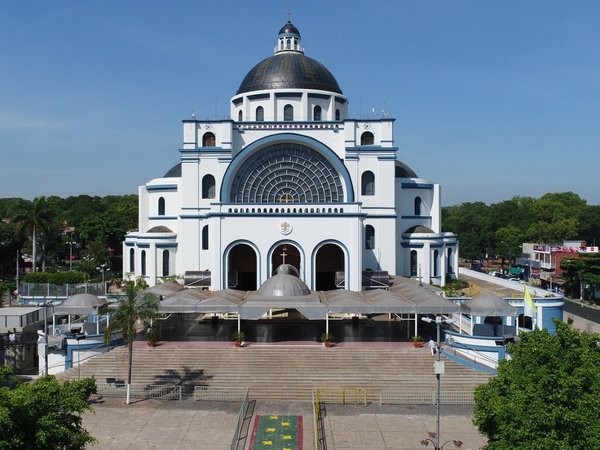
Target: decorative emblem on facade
pixel 286 228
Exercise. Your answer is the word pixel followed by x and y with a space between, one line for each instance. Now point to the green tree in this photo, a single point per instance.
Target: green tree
pixel 137 306
pixel 35 218
pixel 547 396
pixel 589 224
pixel 583 269
pixel 509 242
pixel 556 217
pixel 470 221
pixel 44 414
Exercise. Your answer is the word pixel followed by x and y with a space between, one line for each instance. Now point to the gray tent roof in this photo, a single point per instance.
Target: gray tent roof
pixel 164 289
pixel 80 304
pixel 184 301
pixel 488 305
pixel 256 305
pixel 404 297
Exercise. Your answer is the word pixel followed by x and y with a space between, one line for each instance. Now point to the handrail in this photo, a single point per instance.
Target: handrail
pixel 240 421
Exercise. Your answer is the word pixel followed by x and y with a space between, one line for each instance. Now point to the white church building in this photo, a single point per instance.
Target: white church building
pixel 289 177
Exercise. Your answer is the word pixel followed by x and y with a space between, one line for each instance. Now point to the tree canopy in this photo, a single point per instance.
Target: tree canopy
pixel 81 225
pixel 547 396
pixel 494 230
pixel 44 414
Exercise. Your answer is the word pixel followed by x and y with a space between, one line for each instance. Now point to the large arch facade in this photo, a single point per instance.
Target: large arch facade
pixel 315 173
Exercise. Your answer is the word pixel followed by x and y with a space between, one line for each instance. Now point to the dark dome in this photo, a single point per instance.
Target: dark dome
pixel 419 229
pixel 289 28
pixel 403 171
pixel 174 172
pixel 289 70
pixel 159 229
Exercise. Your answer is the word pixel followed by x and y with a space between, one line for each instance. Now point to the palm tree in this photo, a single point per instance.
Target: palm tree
pixel 34 218
pixel 137 306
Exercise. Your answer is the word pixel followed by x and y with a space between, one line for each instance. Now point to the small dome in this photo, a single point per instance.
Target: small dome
pixel 289 28
pixel 159 229
pixel 403 171
pixel 419 229
pixel 174 172
pixel 284 284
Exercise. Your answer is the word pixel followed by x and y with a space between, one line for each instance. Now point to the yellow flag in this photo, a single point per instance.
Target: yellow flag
pixel 528 306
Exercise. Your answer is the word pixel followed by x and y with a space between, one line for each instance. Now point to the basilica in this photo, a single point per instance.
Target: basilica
pixel 290 178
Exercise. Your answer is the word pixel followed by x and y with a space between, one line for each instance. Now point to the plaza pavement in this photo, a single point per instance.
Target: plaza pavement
pixel 153 424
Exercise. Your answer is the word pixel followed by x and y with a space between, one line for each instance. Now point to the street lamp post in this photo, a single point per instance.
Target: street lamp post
pixel 438 368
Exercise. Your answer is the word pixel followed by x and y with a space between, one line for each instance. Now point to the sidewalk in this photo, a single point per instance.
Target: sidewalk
pixel 153 424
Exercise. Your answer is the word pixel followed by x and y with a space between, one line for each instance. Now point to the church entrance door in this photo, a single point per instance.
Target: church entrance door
pixel 242 273
pixel 329 267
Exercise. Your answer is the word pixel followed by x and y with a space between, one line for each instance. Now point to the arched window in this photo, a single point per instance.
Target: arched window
pixel 143 261
pixel 208 186
pixel 418 203
pixel 208 140
pixel 414 272
pixel 317 113
pixel 260 114
pixel 131 260
pixel 449 261
pixel 436 255
pixel 338 116
pixel 288 113
pixel 367 138
pixel 165 261
pixel 240 116
pixel 368 183
pixel 369 237
pixel 161 206
pixel 205 237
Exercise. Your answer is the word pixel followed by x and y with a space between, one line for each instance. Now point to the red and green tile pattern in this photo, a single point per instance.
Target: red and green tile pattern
pixel 277 433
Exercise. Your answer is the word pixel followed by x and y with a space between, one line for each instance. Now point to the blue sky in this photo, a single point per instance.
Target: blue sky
pixel 491 99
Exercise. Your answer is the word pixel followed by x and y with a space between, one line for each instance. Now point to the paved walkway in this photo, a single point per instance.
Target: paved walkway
pixel 153 424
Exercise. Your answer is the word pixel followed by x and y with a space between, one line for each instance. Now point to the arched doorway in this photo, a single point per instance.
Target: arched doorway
pixel 330 269
pixel 242 268
pixel 292 257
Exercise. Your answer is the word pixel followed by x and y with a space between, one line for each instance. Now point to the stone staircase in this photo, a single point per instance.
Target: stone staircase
pixel 276 372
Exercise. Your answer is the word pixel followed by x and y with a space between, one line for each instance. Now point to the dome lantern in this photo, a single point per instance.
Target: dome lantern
pixel 288 39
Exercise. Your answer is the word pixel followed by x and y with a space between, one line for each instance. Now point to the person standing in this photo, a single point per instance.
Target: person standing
pixel 432 347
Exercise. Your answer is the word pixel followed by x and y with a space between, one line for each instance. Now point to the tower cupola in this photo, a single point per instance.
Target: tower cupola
pixel 288 39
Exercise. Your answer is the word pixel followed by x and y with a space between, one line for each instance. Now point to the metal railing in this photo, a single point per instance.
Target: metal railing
pixel 220 393
pixel 408 397
pixel 240 421
pixel 60 291
pixel 342 396
pixel 319 414
pixel 140 391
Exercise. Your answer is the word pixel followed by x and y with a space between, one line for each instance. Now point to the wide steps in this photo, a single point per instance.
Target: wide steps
pixel 282 373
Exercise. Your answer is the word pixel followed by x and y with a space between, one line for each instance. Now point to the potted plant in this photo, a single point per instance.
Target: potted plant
pixel 151 337
pixel 417 341
pixel 238 338
pixel 326 339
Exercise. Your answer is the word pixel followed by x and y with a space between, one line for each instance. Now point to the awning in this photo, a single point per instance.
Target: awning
pixel 80 304
pixel 488 305
pixel 310 306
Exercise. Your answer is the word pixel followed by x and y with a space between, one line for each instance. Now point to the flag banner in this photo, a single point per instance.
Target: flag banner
pixel 529 307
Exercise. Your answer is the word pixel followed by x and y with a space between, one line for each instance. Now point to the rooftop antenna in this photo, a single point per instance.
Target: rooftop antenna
pixel 289 12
